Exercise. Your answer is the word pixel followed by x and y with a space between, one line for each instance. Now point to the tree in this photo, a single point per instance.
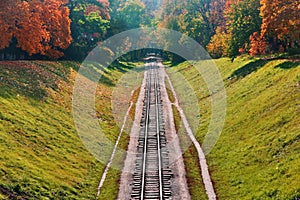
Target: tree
pixel 216 14
pixel 244 20
pixel 199 30
pixel 7 15
pixel 130 14
pixel 219 44
pixel 258 44
pixel 198 21
pixel 281 22
pixel 40 27
pixel 90 21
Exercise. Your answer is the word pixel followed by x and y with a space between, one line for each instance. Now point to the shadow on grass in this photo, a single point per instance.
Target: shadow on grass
pixel 106 81
pixel 25 78
pixel 288 65
pixel 32 78
pixel 248 68
pixel 96 72
pixel 12 194
pixel 123 68
pixel 120 66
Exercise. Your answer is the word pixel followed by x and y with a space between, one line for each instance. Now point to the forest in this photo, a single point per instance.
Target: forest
pixel 53 29
pixel 253 43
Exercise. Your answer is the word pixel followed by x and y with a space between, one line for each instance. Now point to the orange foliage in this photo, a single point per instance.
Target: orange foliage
pixel 258 44
pixel 281 19
pixel 5 21
pixel 40 27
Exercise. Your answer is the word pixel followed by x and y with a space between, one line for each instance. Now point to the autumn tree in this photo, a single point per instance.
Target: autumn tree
pixel 280 23
pixel 258 45
pixel 232 27
pixel 40 27
pixel 219 44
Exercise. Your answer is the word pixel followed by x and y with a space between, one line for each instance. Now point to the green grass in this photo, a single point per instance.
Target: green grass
pixel 190 158
pixel 42 156
pixel 169 92
pixel 257 155
pixel 110 191
pixel 134 99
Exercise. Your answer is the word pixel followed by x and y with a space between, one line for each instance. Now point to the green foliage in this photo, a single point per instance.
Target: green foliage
pixel 245 20
pixel 198 20
pixel 174 24
pixel 198 29
pixel 128 15
pixel 132 14
pixel 90 22
pixel 190 17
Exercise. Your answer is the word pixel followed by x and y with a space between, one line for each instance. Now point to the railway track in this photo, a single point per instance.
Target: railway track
pixel 152 175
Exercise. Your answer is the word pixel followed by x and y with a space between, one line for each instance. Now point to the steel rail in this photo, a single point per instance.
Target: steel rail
pixel 152 175
pixel 146 136
pixel 158 136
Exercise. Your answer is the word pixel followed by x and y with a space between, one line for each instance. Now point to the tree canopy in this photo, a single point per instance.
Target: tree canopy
pixel 56 28
pixel 40 27
pixel 233 27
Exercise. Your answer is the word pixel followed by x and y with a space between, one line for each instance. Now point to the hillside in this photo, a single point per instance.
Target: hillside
pixel 42 156
pixel 257 155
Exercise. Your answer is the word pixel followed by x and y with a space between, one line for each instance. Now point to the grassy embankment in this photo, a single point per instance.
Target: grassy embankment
pixel 42 156
pixel 257 155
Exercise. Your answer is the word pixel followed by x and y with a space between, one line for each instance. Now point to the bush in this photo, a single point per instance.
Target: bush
pixel 293 51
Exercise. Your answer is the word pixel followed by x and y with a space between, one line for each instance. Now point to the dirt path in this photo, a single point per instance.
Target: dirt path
pixel 115 149
pixel 126 176
pixel 179 183
pixel 202 160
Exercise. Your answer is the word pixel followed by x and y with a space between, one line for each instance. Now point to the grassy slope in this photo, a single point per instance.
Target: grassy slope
pixel 257 155
pixel 42 156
